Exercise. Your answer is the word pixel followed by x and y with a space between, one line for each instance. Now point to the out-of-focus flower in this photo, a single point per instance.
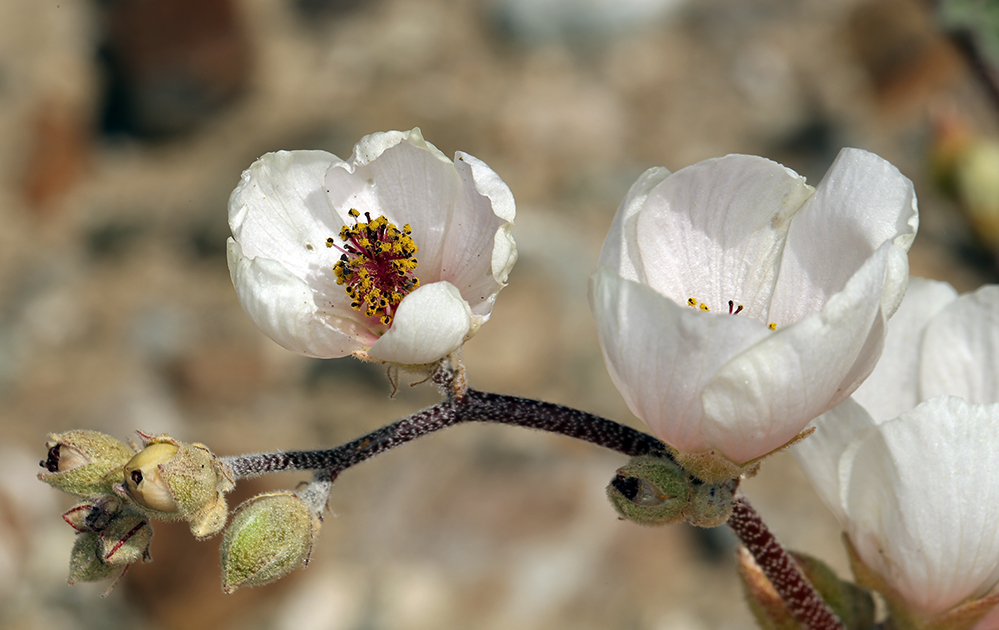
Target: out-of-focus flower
pixel 910 464
pixel 735 303
pixel 396 254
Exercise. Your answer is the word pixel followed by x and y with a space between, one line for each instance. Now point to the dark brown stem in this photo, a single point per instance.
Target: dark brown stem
pixel 779 567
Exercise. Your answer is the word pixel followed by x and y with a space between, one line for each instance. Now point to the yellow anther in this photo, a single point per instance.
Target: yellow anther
pixel 772 326
pixel 691 302
pixel 705 307
pixel 354 213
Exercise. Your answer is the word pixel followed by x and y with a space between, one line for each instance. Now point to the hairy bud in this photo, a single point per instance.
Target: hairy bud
pixel 173 480
pixel 84 463
pixel 270 536
pixel 655 490
pixel 108 552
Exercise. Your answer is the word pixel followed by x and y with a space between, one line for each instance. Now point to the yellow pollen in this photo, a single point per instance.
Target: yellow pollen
pixel 772 326
pixel 377 265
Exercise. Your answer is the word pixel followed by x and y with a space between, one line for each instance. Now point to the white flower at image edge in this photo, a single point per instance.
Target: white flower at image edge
pixel 910 464
pixel 735 303
pixel 287 215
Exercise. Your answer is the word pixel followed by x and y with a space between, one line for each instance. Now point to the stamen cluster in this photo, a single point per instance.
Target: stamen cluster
pixel 377 265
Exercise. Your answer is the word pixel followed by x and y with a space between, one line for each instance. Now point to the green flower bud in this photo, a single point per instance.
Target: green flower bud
pixel 650 490
pixel 126 540
pixel 173 480
pixel 270 536
pixel 710 503
pixel 84 463
pixel 85 563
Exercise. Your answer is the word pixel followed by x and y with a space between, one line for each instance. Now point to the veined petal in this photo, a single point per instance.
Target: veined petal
pixel 892 387
pixel 819 454
pixel 430 324
pixel 862 202
pixel 478 252
pixel 283 306
pixel 960 347
pixel 620 249
pixel 766 395
pixel 922 497
pixel 279 211
pixel 660 354
pixel 404 178
pixel 714 231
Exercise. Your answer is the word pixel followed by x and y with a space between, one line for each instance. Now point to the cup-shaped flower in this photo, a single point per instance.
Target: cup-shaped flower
pixel 84 463
pixel 910 463
pixel 735 303
pixel 396 254
pixel 172 480
pixel 270 535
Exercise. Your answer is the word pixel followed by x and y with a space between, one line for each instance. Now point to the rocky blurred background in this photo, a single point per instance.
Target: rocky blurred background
pixel 125 125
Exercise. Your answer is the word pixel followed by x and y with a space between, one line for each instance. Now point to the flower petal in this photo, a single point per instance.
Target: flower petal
pixel 279 211
pixel 660 354
pixel 620 250
pixel 819 454
pixel 892 387
pixel 714 231
pixel 431 323
pixel 283 306
pixel 922 496
pixel 960 347
pixel 862 202
pixel 406 179
pixel 478 252
pixel 766 395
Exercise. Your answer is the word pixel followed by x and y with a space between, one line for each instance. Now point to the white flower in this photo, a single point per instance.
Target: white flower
pixel 910 464
pixel 307 227
pixel 735 303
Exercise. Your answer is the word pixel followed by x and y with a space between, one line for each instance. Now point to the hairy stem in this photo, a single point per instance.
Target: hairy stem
pixel 779 567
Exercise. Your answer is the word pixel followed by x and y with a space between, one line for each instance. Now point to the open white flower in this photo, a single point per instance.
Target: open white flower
pixel 396 254
pixel 735 303
pixel 910 464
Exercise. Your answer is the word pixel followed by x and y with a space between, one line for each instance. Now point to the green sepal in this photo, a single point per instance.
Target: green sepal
pixel 650 490
pixel 84 463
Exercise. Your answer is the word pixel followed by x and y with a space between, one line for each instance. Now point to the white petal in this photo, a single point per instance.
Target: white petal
pixel 620 250
pixel 431 323
pixel 714 231
pixel 922 497
pixel 765 396
pixel 660 355
pixel 407 180
pixel 279 211
pixel 819 454
pixel 478 251
pixel 283 306
pixel 862 202
pixel 960 349
pixel 892 387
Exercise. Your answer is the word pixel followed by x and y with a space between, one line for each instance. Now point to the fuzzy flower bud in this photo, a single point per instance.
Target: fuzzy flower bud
pixel 84 463
pixel 270 536
pixel 107 553
pixel 654 490
pixel 174 480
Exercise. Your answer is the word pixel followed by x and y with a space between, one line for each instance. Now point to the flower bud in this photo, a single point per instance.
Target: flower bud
pixel 84 463
pixel 85 563
pixel 126 540
pixel 650 490
pixel 710 503
pixel 93 516
pixel 270 536
pixel 174 480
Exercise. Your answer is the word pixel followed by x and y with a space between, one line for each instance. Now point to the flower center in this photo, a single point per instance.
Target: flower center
pixel 733 309
pixel 376 266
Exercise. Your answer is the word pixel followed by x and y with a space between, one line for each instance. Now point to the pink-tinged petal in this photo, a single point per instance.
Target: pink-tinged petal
pixel 660 355
pixel 862 202
pixel 960 349
pixel 892 387
pixel 283 306
pixel 714 231
pixel 279 211
pixel 819 454
pixel 431 323
pixel 407 180
pixel 766 395
pixel 478 252
pixel 620 250
pixel 922 497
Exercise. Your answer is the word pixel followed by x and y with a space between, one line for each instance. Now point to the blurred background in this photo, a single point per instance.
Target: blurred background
pixel 125 125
